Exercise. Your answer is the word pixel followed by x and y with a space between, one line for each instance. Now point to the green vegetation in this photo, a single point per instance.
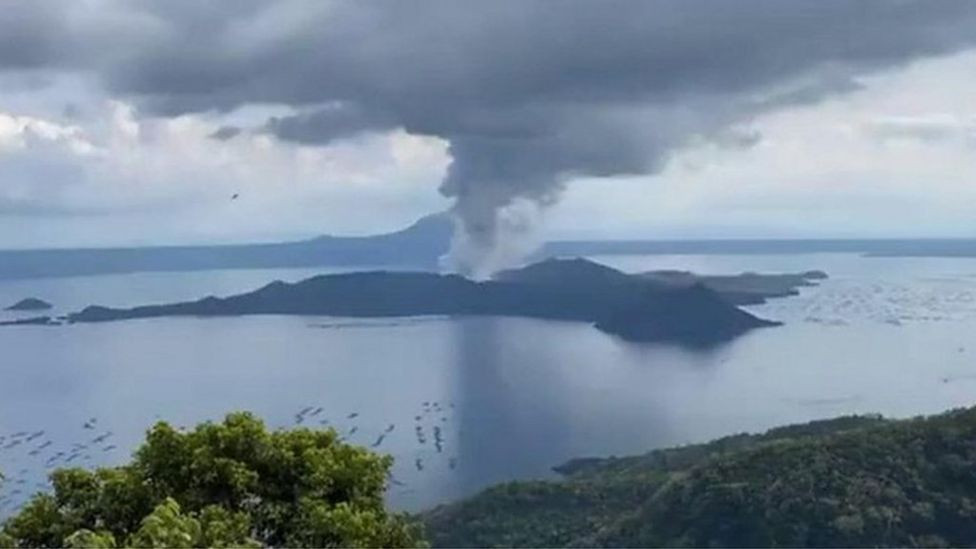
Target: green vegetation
pixel 232 484
pixel 850 481
pixel 853 481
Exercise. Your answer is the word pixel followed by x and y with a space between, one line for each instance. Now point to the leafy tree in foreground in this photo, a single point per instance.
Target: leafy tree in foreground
pixel 231 484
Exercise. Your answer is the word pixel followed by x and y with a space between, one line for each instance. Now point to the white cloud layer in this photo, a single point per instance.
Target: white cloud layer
pixel 896 158
pixel 116 178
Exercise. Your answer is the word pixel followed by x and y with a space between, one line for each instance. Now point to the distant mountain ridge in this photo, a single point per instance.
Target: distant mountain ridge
pixel 631 307
pixel 419 246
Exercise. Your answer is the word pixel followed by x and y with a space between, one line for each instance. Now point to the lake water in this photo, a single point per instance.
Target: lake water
pixel 508 398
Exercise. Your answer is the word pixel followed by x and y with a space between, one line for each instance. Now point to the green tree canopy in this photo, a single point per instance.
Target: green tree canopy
pixel 230 484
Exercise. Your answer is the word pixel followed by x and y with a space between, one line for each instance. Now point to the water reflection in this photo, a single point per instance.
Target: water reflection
pixel 499 432
pixel 526 406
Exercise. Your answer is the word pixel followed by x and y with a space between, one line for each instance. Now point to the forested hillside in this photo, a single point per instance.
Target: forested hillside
pixel 852 481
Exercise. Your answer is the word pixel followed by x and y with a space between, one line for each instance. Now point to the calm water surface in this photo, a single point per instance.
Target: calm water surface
pixel 506 398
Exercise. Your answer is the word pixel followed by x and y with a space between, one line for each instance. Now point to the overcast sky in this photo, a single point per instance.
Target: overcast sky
pixel 134 123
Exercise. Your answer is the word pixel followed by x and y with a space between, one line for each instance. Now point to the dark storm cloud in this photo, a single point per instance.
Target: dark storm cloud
pixel 32 34
pixel 526 93
pixel 330 123
pixel 429 62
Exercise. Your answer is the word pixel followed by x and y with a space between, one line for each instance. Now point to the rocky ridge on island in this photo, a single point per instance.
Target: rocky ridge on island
pixel 745 288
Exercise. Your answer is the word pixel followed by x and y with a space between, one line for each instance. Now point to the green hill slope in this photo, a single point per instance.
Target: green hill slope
pixel 851 481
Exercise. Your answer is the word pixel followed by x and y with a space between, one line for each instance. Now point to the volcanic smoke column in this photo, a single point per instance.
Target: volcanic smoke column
pixel 492 233
pixel 504 174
